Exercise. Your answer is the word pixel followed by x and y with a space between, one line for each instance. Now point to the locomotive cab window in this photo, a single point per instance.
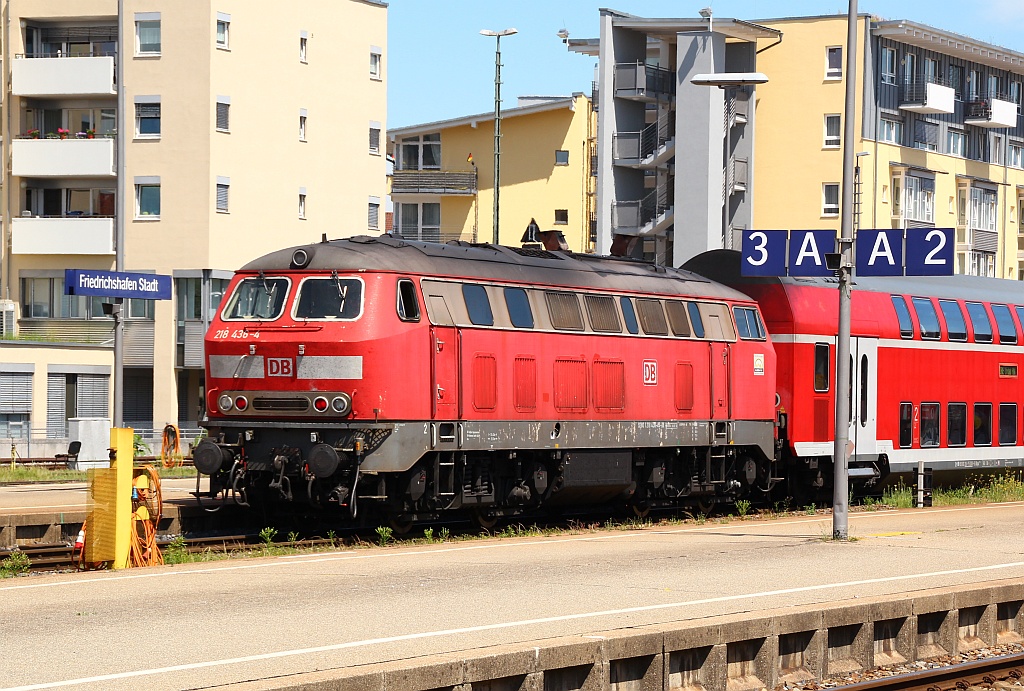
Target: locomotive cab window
pixel 695 319
pixel 257 298
pixel 677 317
pixel 408 305
pixel 628 315
pixel 927 318
pixel 903 315
pixel 1004 324
pixel 929 424
pixel 980 322
pixel 1007 424
pixel 518 305
pixel 564 311
pixel 652 317
pixel 956 424
pixel 603 315
pixel 748 323
pixel 906 425
pixel 983 424
pixel 821 361
pixel 477 304
pixel 329 298
pixel 956 327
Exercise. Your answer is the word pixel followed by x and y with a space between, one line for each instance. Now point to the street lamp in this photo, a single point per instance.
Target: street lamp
pixel 497 115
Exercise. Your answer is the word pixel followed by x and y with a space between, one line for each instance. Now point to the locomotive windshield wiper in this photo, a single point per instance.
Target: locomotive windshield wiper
pixel 342 291
pixel 266 286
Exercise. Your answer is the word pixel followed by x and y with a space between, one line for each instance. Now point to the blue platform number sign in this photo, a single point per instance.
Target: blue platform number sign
pixel 807 250
pixel 879 252
pixel 763 253
pixel 929 251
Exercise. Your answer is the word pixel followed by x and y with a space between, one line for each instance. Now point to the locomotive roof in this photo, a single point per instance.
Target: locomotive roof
pixel 724 265
pixel 463 260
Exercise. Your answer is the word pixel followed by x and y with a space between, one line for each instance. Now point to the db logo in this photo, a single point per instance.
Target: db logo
pixel 650 372
pixel 279 367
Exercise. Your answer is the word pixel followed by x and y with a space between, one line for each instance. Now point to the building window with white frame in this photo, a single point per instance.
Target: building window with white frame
pixel 956 78
pixel 830 199
pixel 931 71
pixel 996 149
pixel 956 143
pixel 1015 159
pixel 561 217
pixel 1014 94
pixel 302 124
pixel 834 62
pixel 919 199
pixel 833 125
pixel 891 131
pixel 303 36
pixel 909 68
pixel 373 214
pixel 147 198
pixel 993 86
pixel 223 30
pixel 223 114
pixel 421 152
pixel 982 214
pixel 147 117
pixel 888 65
pixel 147 33
pixel 419 221
pixel 223 187
pixel 375 138
pixel 376 59
pixel 302 203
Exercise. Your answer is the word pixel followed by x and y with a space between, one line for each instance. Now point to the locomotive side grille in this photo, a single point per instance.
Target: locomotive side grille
pixel 291 403
pixel 524 375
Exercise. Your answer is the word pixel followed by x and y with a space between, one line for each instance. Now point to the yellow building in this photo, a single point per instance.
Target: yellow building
pixel 237 117
pixel 939 140
pixel 443 180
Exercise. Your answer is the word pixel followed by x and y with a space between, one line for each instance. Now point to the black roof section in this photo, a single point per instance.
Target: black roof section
pixel 463 260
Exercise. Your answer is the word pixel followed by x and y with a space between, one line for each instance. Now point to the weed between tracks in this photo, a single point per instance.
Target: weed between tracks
pixel 34 474
pixel 14 565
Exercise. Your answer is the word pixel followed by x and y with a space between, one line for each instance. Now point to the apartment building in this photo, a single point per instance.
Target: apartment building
pixel 940 140
pixel 443 180
pixel 248 129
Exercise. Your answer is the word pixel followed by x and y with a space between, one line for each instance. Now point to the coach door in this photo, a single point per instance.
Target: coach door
pixel 721 370
pixel 444 365
pixel 864 395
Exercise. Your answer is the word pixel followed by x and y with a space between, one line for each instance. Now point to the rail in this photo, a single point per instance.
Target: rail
pixel 916 90
pixel 954 677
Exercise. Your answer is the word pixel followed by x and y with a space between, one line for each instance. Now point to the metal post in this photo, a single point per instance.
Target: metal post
pixel 497 131
pixel 119 221
pixel 841 480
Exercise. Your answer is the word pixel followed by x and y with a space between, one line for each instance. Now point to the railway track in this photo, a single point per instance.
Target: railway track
pixel 999 671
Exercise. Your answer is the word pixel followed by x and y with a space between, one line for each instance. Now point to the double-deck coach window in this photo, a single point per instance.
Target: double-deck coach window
pixel 980 322
pixel 1004 324
pixel 956 328
pixel 927 318
pixel 1007 424
pixel 477 305
pixel 982 424
pixel 821 378
pixel 903 315
pixel 956 424
pixel 906 425
pixel 929 424
pixel 519 311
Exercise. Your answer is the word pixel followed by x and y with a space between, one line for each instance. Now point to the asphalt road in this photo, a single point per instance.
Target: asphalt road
pixel 199 626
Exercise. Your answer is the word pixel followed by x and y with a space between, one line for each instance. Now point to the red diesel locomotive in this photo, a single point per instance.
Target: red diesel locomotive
pixel 414 378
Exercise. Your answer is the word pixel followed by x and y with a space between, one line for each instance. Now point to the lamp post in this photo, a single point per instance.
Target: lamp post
pixel 497 116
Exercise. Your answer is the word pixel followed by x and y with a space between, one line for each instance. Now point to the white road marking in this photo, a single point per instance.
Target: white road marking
pixel 494 627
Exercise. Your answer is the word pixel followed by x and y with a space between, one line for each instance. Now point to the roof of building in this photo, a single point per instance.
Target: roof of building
pixel 538 104
pixel 942 41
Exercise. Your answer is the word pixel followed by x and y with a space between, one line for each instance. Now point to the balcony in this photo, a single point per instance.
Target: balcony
pixel 990 110
pixel 49 158
pixel 443 182
pixel 651 215
pixel 74 235
pixel 63 76
pixel 639 81
pixel 655 145
pixel 930 96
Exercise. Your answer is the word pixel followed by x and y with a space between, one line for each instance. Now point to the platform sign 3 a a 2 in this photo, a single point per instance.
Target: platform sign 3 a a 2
pixel 786 253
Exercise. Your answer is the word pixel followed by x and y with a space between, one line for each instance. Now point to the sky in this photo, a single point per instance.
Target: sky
pixel 439 66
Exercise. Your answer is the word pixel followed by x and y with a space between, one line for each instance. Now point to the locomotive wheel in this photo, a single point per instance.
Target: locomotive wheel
pixel 485 520
pixel 641 510
pixel 399 524
pixel 705 505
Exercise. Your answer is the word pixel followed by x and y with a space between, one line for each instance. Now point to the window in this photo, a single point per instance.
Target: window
pixel 956 77
pixel 888 65
pixel 561 217
pixel 1004 324
pixel 223 185
pixel 652 317
pixel 830 199
pixel 1020 314
pixel 329 298
pixel 927 318
pixel 891 131
pixel 956 424
pixel 1015 157
pixel 302 203
pixel 982 424
pixel 421 153
pixel 996 149
pixel 630 316
pixel 905 425
pixel 373 215
pixel 832 137
pixel 909 68
pixel 956 328
pixel 302 125
pixel 408 305
pixel 982 209
pixel 477 304
pixel 1007 424
pixel 993 86
pixel 695 319
pixel 919 202
pixel 147 33
pixel 926 135
pixel 931 70
pixel 223 112
pixel 147 120
pixel 1014 94
pixel 903 315
pixel 677 317
pixel 561 157
pixel 375 140
pixel 147 200
pixel 604 317
pixel 929 424
pixel 518 304
pixel 897 196
pixel 748 323
pixel 979 322
pixel 302 47
pixel 564 311
pixel 834 62
pixel 956 142
pixel 419 221
pixel 821 363
pixel 223 28
pixel 262 298
pixel 375 62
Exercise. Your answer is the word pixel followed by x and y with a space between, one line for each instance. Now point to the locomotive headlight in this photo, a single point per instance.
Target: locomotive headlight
pixel 241 402
pixel 224 403
pixel 320 404
pixel 341 404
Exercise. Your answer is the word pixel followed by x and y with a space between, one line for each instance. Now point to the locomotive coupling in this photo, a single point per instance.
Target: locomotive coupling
pixel 209 457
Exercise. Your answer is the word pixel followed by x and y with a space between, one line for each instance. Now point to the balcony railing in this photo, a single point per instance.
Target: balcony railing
pixel 56 75
pixel 445 182
pixel 72 157
pixel 929 95
pixel 992 110
pixel 595 94
pixel 630 217
pixel 90 235
pixel 634 148
pixel 644 82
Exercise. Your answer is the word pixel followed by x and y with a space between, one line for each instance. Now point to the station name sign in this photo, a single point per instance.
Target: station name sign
pixel 117 284
pixel 878 252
